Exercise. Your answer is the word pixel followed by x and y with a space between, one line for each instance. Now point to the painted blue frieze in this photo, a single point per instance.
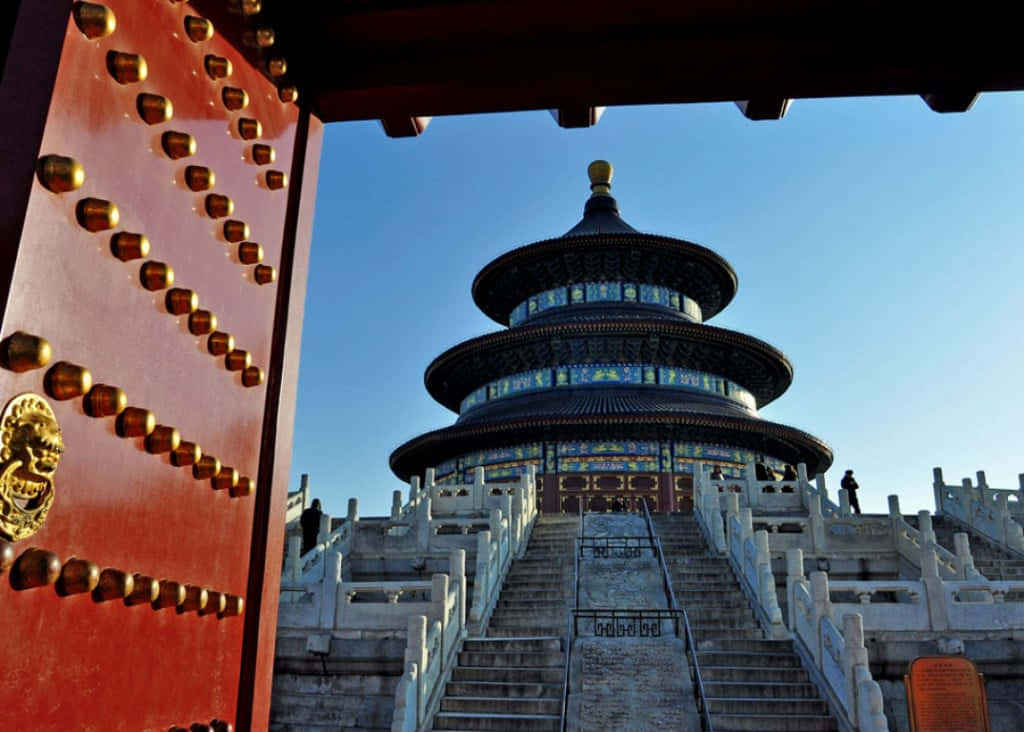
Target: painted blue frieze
pixel 605 374
pixel 591 292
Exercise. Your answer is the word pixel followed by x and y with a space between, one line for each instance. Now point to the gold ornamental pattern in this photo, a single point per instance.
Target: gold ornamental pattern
pixel 30 450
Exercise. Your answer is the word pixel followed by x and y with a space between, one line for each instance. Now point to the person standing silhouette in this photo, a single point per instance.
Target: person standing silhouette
pixel 850 484
pixel 310 522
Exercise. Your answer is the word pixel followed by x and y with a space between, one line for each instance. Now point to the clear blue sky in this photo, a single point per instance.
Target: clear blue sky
pixel 877 244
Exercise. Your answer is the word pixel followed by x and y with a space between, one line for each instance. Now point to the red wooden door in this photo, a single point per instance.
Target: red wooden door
pixel 148 110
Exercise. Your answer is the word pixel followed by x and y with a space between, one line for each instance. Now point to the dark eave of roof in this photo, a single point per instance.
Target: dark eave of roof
pixel 786 443
pixel 749 362
pixel 694 270
pixel 404 59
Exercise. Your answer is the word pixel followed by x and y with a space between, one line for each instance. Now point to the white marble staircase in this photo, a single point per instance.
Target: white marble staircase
pixel 750 683
pixel 512 679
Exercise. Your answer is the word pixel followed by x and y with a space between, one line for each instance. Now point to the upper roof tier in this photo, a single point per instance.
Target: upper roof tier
pixel 603 247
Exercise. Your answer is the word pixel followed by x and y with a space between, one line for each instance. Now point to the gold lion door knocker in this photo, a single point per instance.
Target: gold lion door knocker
pixel 30 450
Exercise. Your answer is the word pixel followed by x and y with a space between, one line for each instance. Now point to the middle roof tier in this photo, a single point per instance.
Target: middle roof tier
pixel 749 362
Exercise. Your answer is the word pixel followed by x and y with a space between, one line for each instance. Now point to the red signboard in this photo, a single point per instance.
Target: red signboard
pixel 946 694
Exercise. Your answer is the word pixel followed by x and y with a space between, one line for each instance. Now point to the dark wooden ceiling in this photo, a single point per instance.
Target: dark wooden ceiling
pixel 408 59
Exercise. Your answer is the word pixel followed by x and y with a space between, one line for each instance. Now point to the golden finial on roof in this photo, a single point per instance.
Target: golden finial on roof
pixel 600 172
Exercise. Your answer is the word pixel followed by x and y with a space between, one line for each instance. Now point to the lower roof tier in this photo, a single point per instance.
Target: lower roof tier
pixel 753 364
pixel 785 443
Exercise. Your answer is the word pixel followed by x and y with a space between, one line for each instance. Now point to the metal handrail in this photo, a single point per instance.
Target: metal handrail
pixel 635 544
pixel 691 646
pixel 570 632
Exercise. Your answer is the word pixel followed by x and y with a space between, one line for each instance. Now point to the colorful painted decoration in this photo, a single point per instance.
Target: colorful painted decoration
pixel 600 374
pixel 591 292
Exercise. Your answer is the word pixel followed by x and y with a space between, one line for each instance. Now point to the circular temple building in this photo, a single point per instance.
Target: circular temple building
pixel 607 378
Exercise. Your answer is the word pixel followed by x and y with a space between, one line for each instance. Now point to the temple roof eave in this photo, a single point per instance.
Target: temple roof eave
pixel 757 366
pixel 780 441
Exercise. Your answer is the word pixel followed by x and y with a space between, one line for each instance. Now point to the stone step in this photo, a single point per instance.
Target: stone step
pixel 712 636
pixel 691 602
pixel 699 615
pixel 773 723
pixel 700 572
pixel 518 643
pixel 506 630
pixel 771 689
pixel 470 721
pixel 502 705
pixel 516 603
pixel 540 616
pixel 525 593
pixel 748 646
pixel 512 658
pixel 521 583
pixel 514 675
pixel 766 705
pixel 746 658
pixel 687 563
pixel 508 689
pixel 750 673
pixel 717 586
pixel 720 623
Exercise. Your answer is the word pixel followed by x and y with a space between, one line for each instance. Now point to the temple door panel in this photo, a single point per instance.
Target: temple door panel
pixel 157 212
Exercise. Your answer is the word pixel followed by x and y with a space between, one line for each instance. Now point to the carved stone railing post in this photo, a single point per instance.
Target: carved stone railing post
pixel 304 489
pixel 844 503
pixel 396 505
pixel 330 589
pixel 716 521
pixel 294 573
pixel 964 560
pixel 498 534
pixel 870 702
pixel 423 519
pixel 766 591
pixel 353 511
pixel 934 590
pixel 530 497
pixel 506 511
pixel 939 487
pixel 822 609
pixel 746 524
pixel 854 654
pixel 325 529
pixel 482 581
pixel 749 488
pixel 1004 520
pixel 416 652
pixel 817 522
pixel 414 489
pixel 794 576
pixel 479 489
pixel 439 597
pixel 969 499
pixel 457 568
pixel 429 479
pixel 819 481
pixel 924 525
pixel 732 508
pixel 894 508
